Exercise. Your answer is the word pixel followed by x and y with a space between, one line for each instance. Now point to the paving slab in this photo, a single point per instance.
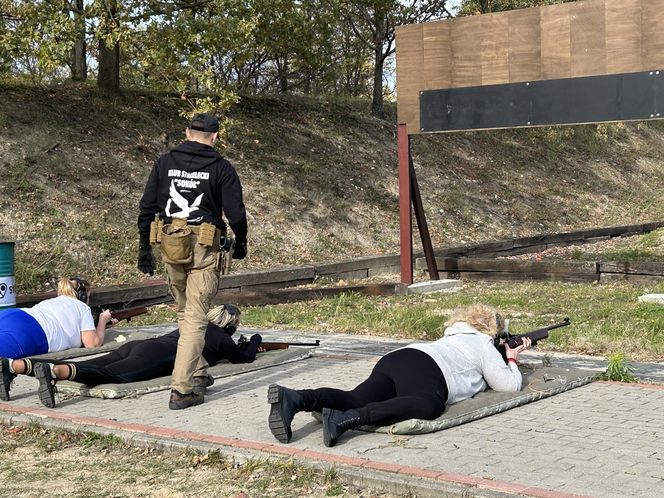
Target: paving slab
pixel 602 440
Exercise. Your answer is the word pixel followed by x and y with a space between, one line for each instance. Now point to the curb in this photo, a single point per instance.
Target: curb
pixel 387 477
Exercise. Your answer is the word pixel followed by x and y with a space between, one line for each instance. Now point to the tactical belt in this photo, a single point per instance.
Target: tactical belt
pixel 207 234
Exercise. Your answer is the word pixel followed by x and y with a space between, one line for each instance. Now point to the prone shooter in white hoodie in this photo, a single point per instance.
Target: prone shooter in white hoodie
pixel 416 381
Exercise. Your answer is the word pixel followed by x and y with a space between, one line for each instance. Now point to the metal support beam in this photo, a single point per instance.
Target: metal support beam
pixel 405 214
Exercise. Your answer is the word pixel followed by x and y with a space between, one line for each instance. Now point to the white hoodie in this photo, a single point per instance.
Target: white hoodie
pixel 469 361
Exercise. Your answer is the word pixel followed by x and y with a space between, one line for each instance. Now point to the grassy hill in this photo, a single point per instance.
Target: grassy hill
pixel 319 178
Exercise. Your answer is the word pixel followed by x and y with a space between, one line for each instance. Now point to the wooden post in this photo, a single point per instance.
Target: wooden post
pixel 405 215
pixel 422 225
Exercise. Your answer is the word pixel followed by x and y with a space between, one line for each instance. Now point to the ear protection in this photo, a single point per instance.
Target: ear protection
pixel 501 329
pixel 81 288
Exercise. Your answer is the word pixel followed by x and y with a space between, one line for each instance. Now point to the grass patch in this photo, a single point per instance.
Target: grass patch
pixel 606 319
pixel 618 370
pixel 57 463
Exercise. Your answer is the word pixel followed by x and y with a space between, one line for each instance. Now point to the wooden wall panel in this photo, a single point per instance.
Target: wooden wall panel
pixel 409 75
pixel 576 39
pixel 652 12
pixel 588 38
pixel 437 55
pixel 623 36
pixel 525 55
pixel 466 43
pixel 554 23
pixel 494 49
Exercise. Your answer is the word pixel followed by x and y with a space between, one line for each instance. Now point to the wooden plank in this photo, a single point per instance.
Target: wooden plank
pixel 465 44
pixel 525 53
pixel 515 266
pixel 116 295
pixel 363 263
pixel 588 38
pixel 652 23
pixel 494 49
pixel 626 277
pixel 556 51
pixel 623 36
pixel 279 275
pixel 409 60
pixel 527 277
pixel 437 55
pixel 259 298
pixel 632 267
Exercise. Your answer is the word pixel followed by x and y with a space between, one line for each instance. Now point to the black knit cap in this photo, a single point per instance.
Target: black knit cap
pixel 204 122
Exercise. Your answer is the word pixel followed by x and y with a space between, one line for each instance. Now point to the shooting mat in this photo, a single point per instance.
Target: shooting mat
pixel 222 369
pixel 112 340
pixel 538 383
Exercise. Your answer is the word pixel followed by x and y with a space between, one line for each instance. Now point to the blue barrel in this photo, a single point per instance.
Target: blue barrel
pixel 7 294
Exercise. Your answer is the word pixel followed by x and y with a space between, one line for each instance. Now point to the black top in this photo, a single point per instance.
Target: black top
pixel 219 345
pixel 194 182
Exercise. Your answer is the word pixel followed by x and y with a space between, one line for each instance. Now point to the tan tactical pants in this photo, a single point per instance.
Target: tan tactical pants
pixel 193 287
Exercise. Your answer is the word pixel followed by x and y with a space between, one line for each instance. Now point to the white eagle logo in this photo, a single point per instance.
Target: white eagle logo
pixel 181 202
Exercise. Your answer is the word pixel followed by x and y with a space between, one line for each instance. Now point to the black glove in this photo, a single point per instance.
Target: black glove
pixel 240 251
pixel 145 260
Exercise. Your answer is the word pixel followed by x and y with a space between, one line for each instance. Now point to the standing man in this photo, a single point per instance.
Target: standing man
pixel 188 189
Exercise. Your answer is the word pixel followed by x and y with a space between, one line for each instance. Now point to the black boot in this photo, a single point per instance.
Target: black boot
pixel 285 404
pixel 336 422
pixel 6 378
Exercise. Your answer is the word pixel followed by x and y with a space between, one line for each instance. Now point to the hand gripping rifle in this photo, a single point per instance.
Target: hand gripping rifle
pixel 517 340
pixel 128 313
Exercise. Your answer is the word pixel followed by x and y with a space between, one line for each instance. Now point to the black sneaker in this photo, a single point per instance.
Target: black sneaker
pixel 180 401
pixel 46 384
pixel 6 378
pixel 201 383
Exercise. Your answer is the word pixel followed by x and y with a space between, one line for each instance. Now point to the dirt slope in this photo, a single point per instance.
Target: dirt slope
pixel 319 178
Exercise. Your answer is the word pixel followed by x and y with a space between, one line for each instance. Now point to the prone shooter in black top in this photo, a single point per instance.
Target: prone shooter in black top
pixel 187 193
pixel 144 360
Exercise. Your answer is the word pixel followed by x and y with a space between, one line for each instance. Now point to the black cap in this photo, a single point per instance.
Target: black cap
pixel 204 122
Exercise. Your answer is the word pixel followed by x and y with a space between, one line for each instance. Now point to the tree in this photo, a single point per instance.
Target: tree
pixel 78 62
pixel 373 22
pixel 470 7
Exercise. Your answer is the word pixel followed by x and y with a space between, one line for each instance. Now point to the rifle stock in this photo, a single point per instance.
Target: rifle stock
pixel 535 335
pixel 128 313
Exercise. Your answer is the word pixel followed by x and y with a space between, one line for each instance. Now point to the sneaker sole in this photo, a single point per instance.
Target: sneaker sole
pixel 275 421
pixel 46 387
pixel 327 439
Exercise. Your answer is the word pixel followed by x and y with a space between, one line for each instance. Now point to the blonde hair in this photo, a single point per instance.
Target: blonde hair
pixel 69 288
pixel 481 317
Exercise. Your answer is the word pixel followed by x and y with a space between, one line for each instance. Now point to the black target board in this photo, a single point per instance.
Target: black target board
pixel 590 99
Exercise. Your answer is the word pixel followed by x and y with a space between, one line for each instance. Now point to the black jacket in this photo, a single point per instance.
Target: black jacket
pixel 218 346
pixel 194 182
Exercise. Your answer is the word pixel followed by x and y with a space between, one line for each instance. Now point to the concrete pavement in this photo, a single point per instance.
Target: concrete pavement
pixel 600 440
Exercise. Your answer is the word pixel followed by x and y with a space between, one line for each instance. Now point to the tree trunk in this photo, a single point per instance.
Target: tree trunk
pixel 108 78
pixel 377 99
pixel 79 65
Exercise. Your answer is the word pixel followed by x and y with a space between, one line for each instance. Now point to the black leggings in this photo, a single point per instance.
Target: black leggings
pixel 404 384
pixel 133 361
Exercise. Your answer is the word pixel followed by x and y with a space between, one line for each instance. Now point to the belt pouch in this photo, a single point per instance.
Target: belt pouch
pixel 176 247
pixel 206 234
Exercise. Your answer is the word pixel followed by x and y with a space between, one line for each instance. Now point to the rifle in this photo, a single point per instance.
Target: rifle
pixel 273 346
pixel 535 335
pixel 128 313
